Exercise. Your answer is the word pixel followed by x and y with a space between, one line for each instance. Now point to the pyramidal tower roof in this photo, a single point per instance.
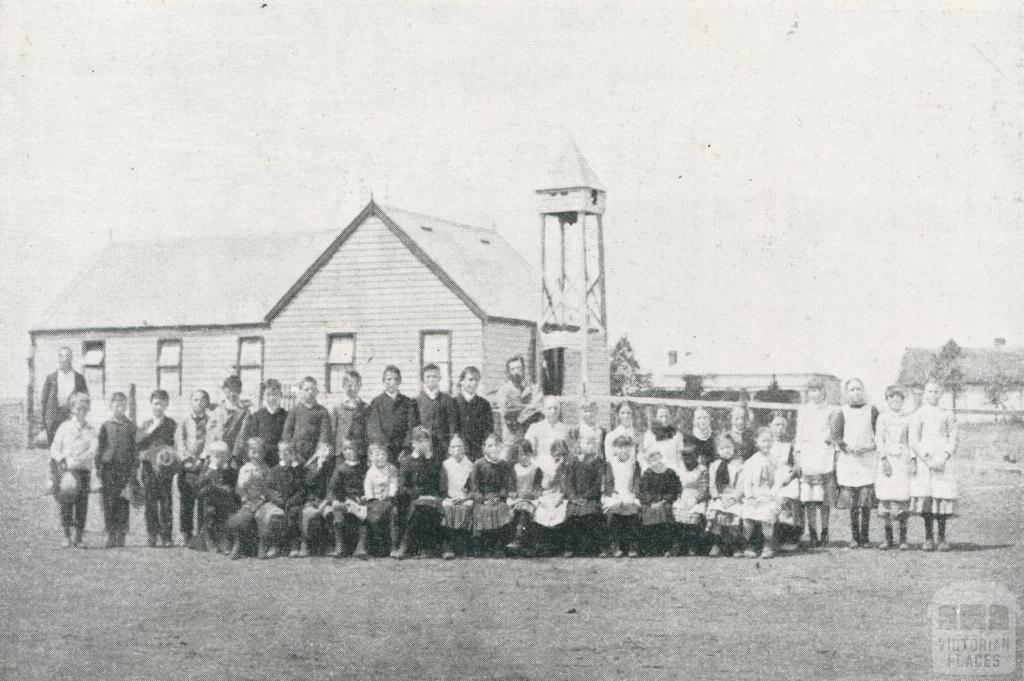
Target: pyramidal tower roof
pixel 571 170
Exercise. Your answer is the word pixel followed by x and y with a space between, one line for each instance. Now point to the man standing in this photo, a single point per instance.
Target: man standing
pixel 519 399
pixel 57 391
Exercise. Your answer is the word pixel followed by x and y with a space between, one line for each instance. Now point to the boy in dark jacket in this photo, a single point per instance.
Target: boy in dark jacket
pixel 116 464
pixel 154 442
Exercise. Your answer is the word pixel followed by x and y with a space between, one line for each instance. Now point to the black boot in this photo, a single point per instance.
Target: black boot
pixel 854 528
pixel 865 526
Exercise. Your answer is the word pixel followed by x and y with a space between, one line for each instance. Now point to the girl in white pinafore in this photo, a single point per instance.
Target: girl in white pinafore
pixel 933 490
pixel 551 504
pixel 857 460
pixel 787 485
pixel 757 492
pixel 892 482
pixel 814 451
pixel 688 510
pixel 722 515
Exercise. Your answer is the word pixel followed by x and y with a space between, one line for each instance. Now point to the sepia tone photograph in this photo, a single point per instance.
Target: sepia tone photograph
pixel 511 340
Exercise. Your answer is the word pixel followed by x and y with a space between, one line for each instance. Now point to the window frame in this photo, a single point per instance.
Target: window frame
pixel 242 340
pixel 328 388
pixel 102 366
pixel 423 342
pixel 160 343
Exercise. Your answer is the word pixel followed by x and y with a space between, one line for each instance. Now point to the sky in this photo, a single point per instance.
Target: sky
pixel 826 182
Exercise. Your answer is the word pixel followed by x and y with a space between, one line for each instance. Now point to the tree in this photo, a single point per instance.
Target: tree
pixel 946 369
pixel 627 375
pixel 995 388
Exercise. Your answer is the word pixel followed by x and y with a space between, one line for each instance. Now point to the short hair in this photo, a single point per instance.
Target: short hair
pixel 420 434
pixel 622 440
pixel 272 385
pixel 308 379
pixel 561 448
pixel 893 391
pixel 79 399
pixel 852 380
pixel 232 382
pixel 375 449
pixel 200 391
pixel 816 384
pixel 469 371
pixel 354 375
pixel 65 348
pixel 160 394
pixel 429 367
pixel 392 369
pixel 515 358
pixel 118 397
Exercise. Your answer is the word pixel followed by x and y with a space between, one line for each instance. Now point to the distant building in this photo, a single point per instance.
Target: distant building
pixel 981 367
pixel 392 287
pixel 741 372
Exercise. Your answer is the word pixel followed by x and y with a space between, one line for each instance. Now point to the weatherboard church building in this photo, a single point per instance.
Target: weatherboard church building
pixel 391 287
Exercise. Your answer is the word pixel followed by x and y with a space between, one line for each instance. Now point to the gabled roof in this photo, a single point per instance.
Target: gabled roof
pixel 979 365
pixel 220 281
pixel 571 171
pixel 232 281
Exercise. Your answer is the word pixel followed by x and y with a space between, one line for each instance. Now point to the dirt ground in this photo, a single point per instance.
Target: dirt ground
pixel 140 613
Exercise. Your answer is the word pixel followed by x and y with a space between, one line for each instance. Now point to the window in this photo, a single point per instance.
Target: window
pixel 341 356
pixel 436 348
pixel 94 367
pixel 250 366
pixel 168 366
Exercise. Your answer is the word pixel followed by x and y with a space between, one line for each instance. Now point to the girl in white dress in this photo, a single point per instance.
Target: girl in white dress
pixel 723 518
pixel 933 490
pixel 892 482
pixel 815 457
pixel 758 494
pixel 542 434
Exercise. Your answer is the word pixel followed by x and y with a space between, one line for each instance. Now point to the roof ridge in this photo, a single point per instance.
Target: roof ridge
pixel 453 223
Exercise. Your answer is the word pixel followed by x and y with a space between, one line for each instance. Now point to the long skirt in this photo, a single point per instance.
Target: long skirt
pixel 457 515
pixel 489 516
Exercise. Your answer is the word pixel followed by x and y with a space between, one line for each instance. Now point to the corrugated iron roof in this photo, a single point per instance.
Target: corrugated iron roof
pixel 485 266
pixel 228 281
pixel 979 365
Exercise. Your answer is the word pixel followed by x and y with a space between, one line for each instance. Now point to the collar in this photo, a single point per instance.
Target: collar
pixel 273 411
pixel 466 396
pixel 393 397
pixel 432 395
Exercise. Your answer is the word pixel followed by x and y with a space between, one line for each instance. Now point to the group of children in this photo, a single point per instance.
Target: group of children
pixel 428 476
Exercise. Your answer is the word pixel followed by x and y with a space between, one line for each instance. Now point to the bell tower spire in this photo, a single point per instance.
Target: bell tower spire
pixel 574 314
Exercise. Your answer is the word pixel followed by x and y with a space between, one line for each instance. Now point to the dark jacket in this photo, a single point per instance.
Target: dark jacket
pixel 476 422
pixel 441 417
pixel 389 423
pixel 55 413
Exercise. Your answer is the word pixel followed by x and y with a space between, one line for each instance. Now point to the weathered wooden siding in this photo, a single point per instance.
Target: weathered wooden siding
pixel 376 289
pixel 207 358
pixel 503 340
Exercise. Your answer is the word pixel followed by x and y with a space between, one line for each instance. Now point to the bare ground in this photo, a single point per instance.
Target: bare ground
pixel 140 613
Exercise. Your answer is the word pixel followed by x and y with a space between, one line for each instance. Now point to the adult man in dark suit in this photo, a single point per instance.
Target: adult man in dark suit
pixel 57 391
